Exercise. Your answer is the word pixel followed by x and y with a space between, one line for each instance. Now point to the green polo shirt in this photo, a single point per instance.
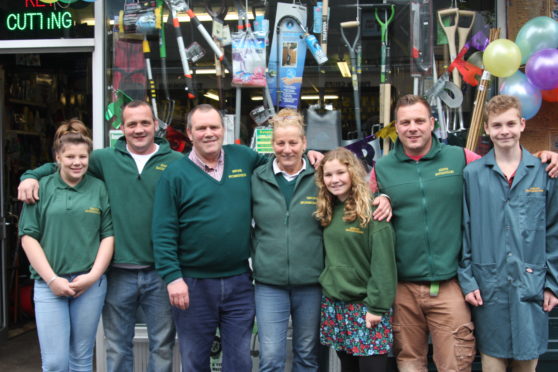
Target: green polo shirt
pixel 69 222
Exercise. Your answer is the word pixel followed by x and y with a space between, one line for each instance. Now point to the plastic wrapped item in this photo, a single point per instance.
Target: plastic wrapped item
pixel 249 63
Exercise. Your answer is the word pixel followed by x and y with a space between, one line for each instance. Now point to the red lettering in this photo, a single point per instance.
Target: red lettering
pixel 35 4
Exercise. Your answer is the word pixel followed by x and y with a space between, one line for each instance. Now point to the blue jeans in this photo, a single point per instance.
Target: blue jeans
pixel 129 290
pixel 227 303
pixel 274 306
pixel 67 326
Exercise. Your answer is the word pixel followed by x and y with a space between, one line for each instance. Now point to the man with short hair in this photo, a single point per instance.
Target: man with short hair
pixel 130 171
pixel 509 266
pixel 424 179
pixel 201 237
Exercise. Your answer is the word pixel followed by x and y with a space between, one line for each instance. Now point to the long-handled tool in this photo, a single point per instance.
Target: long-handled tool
pixel 218 16
pixel 150 82
pixel 218 52
pixel 168 103
pixel 450 30
pixel 352 48
pixel 385 85
pixel 478 110
pixel 181 50
pixel 421 42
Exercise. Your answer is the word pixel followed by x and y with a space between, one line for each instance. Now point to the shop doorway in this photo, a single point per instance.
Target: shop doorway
pixel 37 92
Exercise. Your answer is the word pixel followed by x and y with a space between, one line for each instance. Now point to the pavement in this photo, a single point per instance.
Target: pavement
pixel 20 352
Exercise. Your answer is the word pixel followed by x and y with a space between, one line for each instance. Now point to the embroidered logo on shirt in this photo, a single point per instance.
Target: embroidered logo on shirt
pixel 309 200
pixel 534 189
pixel 354 230
pixel 444 171
pixel 161 167
pixel 236 173
pixel 93 210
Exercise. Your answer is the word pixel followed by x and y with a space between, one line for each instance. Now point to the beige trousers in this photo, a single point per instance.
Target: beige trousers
pixel 447 319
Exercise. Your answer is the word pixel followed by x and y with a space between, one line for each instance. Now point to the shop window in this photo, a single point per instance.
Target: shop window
pixel 327 85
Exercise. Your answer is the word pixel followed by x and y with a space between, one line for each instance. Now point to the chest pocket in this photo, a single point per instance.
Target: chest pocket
pixel 533 212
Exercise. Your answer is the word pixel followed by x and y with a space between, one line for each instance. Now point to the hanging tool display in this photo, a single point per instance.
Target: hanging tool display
pixel 196 22
pixel 353 49
pixel 388 12
pixel 248 51
pixel 167 111
pixel 138 17
pixel 421 42
pixel 174 8
pixel 454 15
pixel 288 54
pixel 218 17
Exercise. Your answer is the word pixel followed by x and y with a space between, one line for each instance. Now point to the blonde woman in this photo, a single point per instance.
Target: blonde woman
pixel 360 277
pixel 287 252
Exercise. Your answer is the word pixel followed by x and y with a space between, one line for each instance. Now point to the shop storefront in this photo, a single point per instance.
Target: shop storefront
pixel 83 58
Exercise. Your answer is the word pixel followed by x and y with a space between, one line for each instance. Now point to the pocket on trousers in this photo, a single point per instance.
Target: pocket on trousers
pixel 465 346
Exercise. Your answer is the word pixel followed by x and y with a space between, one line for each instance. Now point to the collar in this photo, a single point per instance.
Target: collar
pixel 200 163
pixel 434 150
pixel 288 177
pixel 527 159
pixel 59 182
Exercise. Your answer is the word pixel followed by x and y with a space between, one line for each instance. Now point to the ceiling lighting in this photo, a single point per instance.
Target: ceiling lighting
pixel 207 71
pixel 211 94
pixel 344 68
pixel 305 97
pixel 315 97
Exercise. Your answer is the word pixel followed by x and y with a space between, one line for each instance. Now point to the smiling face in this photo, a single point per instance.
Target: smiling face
pixel 206 132
pixel 414 126
pixel 289 146
pixel 139 129
pixel 505 129
pixel 73 160
pixel 337 179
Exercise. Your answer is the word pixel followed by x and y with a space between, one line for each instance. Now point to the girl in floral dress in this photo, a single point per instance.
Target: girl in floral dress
pixel 359 278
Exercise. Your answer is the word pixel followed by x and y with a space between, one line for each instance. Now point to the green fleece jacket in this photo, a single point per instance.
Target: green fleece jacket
pixel 201 226
pixel 427 198
pixel 130 196
pixel 287 247
pixel 360 262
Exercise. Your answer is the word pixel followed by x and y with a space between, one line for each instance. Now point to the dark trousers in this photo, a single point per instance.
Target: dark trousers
pixel 224 303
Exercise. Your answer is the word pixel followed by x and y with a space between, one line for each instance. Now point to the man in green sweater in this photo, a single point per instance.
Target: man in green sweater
pixel 424 179
pixel 130 171
pixel 201 240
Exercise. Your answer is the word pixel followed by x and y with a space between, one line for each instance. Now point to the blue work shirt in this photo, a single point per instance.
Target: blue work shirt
pixel 510 253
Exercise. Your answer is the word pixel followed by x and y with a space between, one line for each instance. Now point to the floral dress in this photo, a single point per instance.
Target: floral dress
pixel 343 327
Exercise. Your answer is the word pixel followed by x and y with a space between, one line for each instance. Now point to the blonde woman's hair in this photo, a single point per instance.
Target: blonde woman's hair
pixel 71 132
pixel 287 118
pixel 358 202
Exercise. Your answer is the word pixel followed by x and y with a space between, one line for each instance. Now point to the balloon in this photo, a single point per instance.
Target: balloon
pixel 538 33
pixel 542 69
pixel 550 95
pixel 529 95
pixel 501 58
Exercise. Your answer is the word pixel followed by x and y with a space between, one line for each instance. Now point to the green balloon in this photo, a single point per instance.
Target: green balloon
pixel 538 33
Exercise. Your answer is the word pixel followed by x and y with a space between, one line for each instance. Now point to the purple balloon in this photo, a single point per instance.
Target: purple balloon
pixel 520 87
pixel 542 69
